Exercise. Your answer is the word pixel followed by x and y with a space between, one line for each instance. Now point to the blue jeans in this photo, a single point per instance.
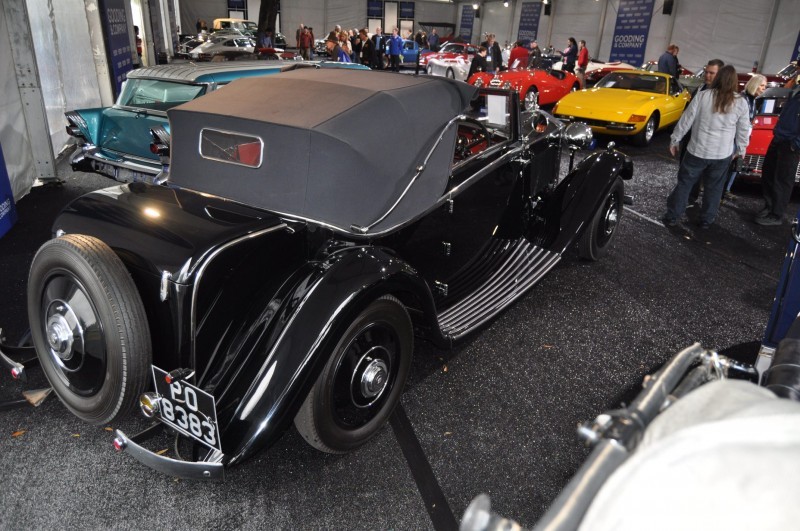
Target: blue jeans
pixel 712 172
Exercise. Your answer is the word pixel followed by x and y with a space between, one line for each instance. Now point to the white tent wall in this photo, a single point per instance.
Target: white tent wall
pixel 206 10
pixel 734 31
pixel 573 18
pixel 783 37
pixel 13 128
pixel 497 19
pixel 41 82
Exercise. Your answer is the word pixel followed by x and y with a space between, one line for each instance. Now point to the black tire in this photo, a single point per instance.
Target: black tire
pixel 449 74
pixel 429 70
pixel 601 232
pixel 531 100
pixel 89 327
pixel 338 415
pixel 643 137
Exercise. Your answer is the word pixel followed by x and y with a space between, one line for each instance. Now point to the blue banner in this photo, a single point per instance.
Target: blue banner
pixel 796 52
pixel 631 30
pixel 8 211
pixel 118 41
pixel 407 10
pixel 374 8
pixel 467 19
pixel 529 21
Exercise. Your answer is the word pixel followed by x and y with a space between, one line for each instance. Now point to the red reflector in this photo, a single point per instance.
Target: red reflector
pixel 168 378
pixel 119 444
pixel 16 373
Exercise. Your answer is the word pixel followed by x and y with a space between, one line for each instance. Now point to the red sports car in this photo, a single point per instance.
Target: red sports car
pixel 451 50
pixel 768 107
pixel 535 86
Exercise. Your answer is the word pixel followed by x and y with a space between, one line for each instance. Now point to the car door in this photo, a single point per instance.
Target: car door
pixel 476 197
pixel 674 103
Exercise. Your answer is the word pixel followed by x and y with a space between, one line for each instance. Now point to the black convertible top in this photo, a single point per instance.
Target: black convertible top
pixel 340 146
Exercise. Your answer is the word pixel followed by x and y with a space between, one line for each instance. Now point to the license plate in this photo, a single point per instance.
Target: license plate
pixel 106 169
pixel 186 408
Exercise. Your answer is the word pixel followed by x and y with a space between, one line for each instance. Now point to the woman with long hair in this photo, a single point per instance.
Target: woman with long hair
pixel 719 119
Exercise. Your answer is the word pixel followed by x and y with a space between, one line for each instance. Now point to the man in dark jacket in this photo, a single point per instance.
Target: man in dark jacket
pixel 668 63
pixel 479 63
pixel 780 163
pixel 378 44
pixel 332 44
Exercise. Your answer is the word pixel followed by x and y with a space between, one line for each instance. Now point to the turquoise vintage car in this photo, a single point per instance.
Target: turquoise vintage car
pixel 115 141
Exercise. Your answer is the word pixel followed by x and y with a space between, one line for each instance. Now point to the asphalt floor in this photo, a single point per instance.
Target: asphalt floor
pixel 496 414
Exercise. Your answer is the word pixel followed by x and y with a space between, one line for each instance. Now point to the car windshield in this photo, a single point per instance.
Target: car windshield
pixel 452 47
pixel 157 94
pixel 769 105
pixel 631 81
pixel 251 26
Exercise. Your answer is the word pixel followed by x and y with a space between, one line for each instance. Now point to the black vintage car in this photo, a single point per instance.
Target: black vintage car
pixel 284 270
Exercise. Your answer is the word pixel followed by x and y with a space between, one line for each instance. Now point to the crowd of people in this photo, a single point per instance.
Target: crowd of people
pixel 711 138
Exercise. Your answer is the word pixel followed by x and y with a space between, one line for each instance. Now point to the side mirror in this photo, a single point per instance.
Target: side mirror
pixel 578 135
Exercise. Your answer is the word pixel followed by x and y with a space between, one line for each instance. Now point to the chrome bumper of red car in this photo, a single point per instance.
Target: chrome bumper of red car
pixel 203 470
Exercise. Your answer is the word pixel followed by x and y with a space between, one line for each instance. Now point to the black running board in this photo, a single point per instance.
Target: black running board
pixel 518 266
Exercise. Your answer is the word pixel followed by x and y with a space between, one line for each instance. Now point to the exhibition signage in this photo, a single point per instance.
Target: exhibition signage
pixel 796 52
pixel 375 9
pixel 118 41
pixel 467 19
pixel 529 21
pixel 407 10
pixel 8 212
pixel 630 32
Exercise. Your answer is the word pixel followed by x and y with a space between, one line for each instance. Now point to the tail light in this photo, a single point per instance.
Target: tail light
pixel 161 141
pixel 75 124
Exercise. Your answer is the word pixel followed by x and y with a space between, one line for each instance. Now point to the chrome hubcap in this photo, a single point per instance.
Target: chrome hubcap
pixel 371 377
pixel 374 379
pixel 63 332
pixel 612 218
pixel 651 126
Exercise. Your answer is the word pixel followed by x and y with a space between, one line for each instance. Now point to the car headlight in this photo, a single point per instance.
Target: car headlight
pixel 637 118
pixel 478 82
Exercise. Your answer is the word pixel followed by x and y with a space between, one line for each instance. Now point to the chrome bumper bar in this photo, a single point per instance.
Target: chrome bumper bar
pixel 202 470
pixel 83 155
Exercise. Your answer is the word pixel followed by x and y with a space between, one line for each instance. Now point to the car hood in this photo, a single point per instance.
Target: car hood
pixel 604 103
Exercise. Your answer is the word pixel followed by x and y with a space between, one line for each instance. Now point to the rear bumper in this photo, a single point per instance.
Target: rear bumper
pixel 202 470
pixel 88 158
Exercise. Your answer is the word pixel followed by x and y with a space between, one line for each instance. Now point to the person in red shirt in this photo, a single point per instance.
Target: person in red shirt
pixel 518 55
pixel 583 62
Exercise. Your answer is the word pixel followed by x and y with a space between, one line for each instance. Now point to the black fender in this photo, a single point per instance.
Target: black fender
pixel 566 213
pixel 270 389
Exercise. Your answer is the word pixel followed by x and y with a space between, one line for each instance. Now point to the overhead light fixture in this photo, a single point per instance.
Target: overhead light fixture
pixel 505 4
pixel 545 2
pixel 475 6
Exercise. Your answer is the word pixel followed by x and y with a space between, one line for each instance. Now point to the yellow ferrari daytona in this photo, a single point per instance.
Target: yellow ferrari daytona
pixel 627 102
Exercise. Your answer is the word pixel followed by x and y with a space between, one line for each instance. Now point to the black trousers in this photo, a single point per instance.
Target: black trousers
pixel 777 179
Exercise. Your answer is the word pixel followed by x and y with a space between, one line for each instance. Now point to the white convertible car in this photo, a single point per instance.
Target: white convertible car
pixel 455 68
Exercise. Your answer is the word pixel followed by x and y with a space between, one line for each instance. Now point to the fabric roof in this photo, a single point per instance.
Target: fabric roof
pixel 340 146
